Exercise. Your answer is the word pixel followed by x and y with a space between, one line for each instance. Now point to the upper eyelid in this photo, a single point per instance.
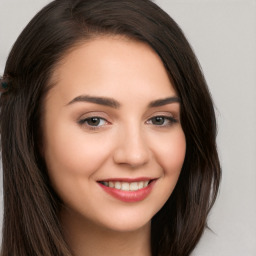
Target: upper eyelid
pixel 91 114
pixel 171 118
pixel 83 123
pixel 111 117
pixel 89 117
pixel 172 114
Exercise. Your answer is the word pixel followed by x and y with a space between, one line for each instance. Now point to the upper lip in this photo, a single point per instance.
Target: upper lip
pixel 128 179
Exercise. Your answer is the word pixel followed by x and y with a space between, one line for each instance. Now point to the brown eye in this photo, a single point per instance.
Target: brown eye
pixel 158 120
pixel 93 121
pixel 162 120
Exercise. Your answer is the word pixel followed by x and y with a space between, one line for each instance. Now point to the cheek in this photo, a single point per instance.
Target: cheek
pixel 171 152
pixel 72 158
pixel 70 153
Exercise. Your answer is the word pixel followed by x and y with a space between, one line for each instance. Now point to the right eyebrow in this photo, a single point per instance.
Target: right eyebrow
pixel 109 102
pixel 162 102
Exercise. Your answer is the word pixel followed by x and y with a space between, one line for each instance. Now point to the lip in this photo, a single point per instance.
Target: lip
pixel 129 196
pixel 129 179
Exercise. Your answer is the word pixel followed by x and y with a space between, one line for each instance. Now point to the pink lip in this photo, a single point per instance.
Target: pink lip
pixel 129 179
pixel 129 196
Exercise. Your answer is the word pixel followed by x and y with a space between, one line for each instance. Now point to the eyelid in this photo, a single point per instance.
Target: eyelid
pixel 90 114
pixel 91 117
pixel 94 114
pixel 170 114
pixel 173 118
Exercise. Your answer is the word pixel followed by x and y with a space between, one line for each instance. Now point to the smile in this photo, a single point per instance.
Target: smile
pixel 126 186
pixel 128 190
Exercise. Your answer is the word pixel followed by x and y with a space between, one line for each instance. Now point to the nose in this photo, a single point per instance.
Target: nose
pixel 132 149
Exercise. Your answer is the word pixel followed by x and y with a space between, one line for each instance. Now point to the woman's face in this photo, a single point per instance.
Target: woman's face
pixel 113 142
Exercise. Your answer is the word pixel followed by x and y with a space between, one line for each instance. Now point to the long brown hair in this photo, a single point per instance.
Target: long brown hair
pixel 31 225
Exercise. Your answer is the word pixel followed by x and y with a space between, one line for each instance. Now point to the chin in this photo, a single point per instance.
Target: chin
pixel 128 226
pixel 127 221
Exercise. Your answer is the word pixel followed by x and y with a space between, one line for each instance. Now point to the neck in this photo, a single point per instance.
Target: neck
pixel 86 239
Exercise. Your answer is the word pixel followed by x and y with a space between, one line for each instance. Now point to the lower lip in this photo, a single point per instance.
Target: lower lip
pixel 129 196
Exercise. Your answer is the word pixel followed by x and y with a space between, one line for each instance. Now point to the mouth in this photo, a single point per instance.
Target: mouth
pixel 127 186
pixel 128 190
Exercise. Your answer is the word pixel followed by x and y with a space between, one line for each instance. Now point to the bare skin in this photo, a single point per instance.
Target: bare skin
pixel 113 117
pixel 93 240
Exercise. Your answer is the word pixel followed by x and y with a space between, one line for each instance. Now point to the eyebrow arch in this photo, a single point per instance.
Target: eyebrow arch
pixel 162 102
pixel 98 100
pixel 109 102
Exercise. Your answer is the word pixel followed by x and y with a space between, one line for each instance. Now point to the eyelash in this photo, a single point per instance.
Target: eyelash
pixel 84 122
pixel 168 121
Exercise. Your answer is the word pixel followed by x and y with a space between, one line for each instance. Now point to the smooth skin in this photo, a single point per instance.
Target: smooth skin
pixel 103 120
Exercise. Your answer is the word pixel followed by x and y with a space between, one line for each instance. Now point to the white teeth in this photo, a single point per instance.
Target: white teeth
pixel 141 184
pixel 118 185
pixel 126 186
pixel 111 184
pixel 145 183
pixel 134 186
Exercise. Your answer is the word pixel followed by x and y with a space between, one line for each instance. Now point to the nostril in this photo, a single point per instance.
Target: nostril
pixel 130 158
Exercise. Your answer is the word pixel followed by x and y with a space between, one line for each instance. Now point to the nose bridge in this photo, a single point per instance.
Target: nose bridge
pixel 132 146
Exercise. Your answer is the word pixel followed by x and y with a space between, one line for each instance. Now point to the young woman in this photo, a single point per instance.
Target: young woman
pixel 107 132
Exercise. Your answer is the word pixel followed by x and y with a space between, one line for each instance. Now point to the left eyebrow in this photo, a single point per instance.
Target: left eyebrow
pixel 109 102
pixel 162 102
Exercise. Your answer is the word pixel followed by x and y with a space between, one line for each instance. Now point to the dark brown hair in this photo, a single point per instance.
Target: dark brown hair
pixel 31 225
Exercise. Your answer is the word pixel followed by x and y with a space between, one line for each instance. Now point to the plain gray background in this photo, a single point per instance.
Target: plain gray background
pixel 223 35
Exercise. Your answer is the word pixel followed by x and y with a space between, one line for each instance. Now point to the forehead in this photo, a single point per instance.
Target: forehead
pixel 108 65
